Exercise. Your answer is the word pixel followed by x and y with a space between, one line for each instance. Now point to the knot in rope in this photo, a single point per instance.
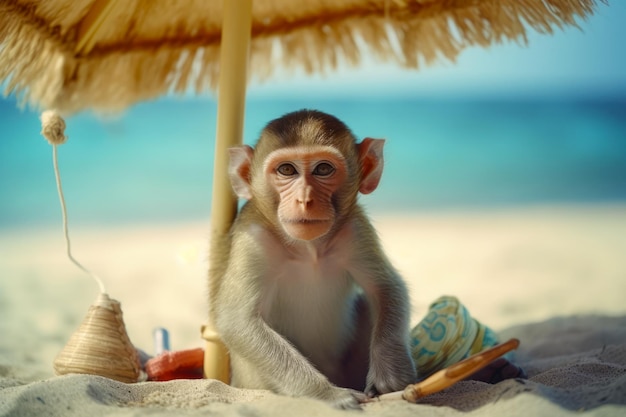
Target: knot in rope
pixel 53 127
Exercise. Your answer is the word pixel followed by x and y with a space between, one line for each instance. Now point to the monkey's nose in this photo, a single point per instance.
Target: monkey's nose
pixel 305 199
pixel 305 202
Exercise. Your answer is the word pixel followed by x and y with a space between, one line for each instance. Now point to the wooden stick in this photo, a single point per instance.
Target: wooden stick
pixel 452 374
pixel 234 51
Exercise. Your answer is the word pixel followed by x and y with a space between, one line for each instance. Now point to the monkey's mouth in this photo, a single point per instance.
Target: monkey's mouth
pixel 306 229
pixel 305 221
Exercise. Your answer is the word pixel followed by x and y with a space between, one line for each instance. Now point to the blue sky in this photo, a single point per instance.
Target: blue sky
pixel 590 61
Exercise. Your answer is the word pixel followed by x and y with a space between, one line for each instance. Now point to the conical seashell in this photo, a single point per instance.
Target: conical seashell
pixel 447 335
pixel 101 345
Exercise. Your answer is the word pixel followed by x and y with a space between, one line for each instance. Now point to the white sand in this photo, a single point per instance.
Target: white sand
pixel 563 264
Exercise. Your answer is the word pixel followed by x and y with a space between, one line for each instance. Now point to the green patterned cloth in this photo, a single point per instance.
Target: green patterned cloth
pixel 447 335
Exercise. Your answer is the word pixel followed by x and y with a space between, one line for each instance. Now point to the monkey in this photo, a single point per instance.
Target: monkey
pixel 303 296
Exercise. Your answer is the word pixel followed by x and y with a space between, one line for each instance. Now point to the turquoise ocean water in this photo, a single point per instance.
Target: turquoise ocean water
pixel 154 163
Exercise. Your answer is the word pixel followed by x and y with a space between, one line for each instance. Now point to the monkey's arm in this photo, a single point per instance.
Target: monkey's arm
pixel 391 365
pixel 263 352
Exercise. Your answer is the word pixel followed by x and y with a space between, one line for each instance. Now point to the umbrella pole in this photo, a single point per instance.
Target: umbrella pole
pixel 234 51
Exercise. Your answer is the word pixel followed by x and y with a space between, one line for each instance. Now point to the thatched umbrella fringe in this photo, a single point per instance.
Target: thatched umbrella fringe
pixel 408 33
pixel 26 55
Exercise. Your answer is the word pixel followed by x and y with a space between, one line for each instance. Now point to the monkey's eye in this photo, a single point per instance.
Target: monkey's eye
pixel 323 169
pixel 287 170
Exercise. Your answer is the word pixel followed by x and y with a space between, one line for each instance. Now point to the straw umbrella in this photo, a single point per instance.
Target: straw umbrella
pixel 104 55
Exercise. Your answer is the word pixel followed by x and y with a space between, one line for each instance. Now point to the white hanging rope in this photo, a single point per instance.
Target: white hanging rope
pixel 53 129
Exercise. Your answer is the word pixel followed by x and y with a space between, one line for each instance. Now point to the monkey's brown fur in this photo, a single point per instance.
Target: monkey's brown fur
pixel 324 315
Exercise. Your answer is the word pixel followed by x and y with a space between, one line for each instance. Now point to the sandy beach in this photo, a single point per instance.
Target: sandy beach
pixel 553 276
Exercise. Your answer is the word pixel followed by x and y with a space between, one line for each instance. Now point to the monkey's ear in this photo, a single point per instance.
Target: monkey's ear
pixel 239 170
pixel 371 156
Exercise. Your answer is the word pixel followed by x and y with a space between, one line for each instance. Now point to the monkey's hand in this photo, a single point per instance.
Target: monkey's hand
pixel 392 369
pixel 344 398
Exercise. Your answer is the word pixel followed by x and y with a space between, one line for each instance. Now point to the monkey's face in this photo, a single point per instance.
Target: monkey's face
pixel 305 173
pixel 305 180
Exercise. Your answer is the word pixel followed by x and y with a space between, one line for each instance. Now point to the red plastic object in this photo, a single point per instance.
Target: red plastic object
pixel 182 364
